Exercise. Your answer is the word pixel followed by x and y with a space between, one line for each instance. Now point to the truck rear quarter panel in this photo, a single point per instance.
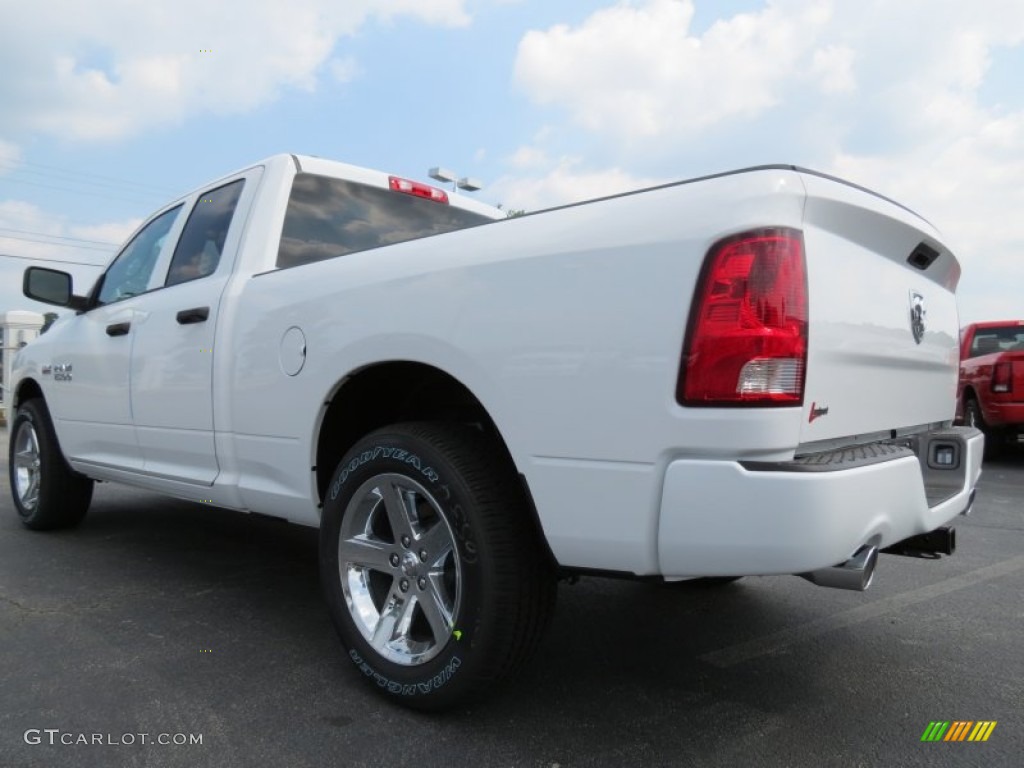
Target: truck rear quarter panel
pixel 568 327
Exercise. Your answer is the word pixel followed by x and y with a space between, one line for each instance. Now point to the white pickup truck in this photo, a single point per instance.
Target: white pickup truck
pixel 748 373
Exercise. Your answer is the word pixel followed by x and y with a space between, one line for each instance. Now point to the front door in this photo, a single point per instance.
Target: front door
pixel 89 399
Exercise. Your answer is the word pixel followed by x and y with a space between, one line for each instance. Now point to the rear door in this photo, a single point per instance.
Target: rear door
pixel 172 365
pixel 883 326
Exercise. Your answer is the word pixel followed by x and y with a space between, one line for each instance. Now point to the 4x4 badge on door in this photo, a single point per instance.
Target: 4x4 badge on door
pixel 917 314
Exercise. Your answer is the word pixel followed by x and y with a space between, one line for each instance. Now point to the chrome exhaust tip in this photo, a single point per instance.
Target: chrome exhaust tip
pixel 856 573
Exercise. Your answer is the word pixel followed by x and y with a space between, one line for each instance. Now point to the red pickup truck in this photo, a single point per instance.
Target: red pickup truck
pixel 990 395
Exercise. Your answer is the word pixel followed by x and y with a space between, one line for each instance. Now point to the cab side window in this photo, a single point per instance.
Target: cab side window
pixel 202 240
pixel 129 274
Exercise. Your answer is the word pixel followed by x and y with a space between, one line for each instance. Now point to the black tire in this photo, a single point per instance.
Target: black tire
pixel 47 493
pixel 972 414
pixel 473 608
pixel 994 440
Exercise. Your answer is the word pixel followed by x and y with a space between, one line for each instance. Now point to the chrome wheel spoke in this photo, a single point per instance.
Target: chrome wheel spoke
pixel 365 552
pixel 436 542
pixel 26 459
pixel 397 504
pixel 394 621
pixel 31 495
pixel 435 610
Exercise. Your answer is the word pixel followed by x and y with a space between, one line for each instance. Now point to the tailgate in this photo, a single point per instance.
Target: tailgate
pixel 883 328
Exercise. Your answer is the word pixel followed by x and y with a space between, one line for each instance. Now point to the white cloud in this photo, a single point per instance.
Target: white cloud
pixel 445 12
pixel 528 157
pixel 957 160
pixel 10 155
pixel 108 232
pixel 833 65
pixel 637 71
pixel 970 187
pixel 565 183
pixel 344 69
pixel 119 68
pixel 28 231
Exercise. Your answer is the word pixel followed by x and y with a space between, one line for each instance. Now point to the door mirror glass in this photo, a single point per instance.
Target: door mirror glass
pixel 49 286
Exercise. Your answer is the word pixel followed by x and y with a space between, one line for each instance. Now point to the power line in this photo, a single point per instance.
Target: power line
pixel 55 261
pixel 86 177
pixel 87 185
pixel 91 193
pixel 62 245
pixel 57 237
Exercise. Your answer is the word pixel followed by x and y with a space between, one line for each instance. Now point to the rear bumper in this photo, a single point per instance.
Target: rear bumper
pixel 731 518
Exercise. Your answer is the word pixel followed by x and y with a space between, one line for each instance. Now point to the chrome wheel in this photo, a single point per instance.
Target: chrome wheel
pixel 400 570
pixel 27 472
pixel 434 571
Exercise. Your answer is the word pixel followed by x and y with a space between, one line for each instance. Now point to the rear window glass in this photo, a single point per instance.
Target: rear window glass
pixel 989 340
pixel 330 217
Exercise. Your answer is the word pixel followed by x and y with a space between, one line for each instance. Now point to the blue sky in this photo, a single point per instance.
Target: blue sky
pixel 105 115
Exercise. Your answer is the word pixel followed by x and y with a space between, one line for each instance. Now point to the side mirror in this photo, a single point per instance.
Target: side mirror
pixel 51 286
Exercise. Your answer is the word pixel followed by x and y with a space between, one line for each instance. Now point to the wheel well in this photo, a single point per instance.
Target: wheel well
pixel 389 393
pixel 27 389
pixel 969 394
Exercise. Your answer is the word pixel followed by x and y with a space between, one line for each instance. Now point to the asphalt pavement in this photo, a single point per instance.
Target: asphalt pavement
pixel 163 621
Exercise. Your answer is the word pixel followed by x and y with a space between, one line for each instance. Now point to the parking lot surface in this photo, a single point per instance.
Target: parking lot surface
pixel 174 619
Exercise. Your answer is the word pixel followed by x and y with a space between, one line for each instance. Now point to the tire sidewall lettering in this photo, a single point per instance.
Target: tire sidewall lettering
pixel 388 453
pixel 407 689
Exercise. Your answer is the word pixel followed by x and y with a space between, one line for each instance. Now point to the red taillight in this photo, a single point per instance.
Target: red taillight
pixel 1002 378
pixel 417 189
pixel 747 339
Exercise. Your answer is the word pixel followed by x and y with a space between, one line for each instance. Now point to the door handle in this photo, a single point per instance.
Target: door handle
pixel 118 329
pixel 194 315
